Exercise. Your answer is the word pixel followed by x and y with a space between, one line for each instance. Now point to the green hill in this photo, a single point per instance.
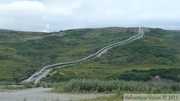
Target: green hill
pixel 157 54
pixel 22 53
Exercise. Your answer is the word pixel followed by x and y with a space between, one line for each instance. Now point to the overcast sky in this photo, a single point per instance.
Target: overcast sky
pixel 56 15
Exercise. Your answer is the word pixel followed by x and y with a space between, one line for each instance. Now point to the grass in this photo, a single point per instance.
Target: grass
pixel 115 88
pixel 107 98
pixel 13 66
pixel 4 88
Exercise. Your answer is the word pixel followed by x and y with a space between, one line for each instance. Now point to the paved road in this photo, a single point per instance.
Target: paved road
pixel 41 94
pixel 43 72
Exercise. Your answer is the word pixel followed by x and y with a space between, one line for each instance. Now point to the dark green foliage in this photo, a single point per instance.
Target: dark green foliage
pixel 2 37
pixel 131 76
pixel 177 37
pixel 146 53
pixel 145 75
pixel 3 57
pixel 157 32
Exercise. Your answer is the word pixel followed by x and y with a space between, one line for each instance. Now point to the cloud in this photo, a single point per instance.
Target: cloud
pixel 49 15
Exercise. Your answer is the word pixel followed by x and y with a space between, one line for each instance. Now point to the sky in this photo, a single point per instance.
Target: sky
pixel 56 15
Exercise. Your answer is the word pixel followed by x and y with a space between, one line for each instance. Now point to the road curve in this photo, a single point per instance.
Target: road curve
pixel 44 71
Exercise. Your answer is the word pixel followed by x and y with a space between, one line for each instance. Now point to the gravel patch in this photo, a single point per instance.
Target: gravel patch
pixel 41 94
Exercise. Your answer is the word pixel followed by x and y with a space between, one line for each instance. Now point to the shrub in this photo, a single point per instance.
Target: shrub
pixel 87 85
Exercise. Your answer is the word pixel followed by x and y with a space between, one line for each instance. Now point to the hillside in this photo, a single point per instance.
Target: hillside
pixel 157 54
pixel 22 53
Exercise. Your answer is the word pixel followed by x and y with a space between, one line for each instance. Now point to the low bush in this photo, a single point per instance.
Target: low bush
pixel 145 75
pixel 115 86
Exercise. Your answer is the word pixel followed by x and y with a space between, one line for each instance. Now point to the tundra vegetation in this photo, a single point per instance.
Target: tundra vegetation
pixel 147 65
pixel 23 53
pixel 157 54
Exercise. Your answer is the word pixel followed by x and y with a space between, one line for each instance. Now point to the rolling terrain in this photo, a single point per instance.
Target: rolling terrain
pixel 23 53
pixel 157 54
pixel 38 75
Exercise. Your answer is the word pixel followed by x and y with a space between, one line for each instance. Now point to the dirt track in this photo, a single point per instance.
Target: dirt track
pixel 41 94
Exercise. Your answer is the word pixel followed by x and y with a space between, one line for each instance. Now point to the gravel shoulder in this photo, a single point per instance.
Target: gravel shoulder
pixel 41 94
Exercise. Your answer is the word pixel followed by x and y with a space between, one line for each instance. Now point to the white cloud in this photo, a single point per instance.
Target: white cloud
pixel 55 15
